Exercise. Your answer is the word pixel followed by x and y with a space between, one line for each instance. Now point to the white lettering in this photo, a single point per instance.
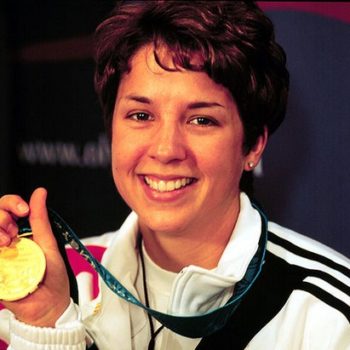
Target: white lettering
pixel 92 154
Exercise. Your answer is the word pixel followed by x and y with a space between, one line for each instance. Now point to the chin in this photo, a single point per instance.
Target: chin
pixel 164 223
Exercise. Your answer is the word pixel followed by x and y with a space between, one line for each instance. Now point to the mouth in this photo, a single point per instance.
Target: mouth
pixel 168 185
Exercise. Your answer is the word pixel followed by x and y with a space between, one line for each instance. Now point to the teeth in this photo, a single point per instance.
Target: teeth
pixel 167 186
pixel 170 186
pixel 178 184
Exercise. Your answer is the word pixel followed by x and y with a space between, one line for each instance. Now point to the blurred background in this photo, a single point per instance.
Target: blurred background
pixel 52 134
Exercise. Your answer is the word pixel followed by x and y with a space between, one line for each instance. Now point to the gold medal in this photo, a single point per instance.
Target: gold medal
pixel 22 268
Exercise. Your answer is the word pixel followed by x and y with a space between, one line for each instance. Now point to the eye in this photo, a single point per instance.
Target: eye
pixel 140 116
pixel 203 121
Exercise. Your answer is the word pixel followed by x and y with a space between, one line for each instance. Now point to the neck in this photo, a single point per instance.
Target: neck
pixel 202 247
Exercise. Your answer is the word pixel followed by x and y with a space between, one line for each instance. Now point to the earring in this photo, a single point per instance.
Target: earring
pixel 251 165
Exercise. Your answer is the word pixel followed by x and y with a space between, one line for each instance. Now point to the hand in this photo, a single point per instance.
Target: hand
pixel 44 306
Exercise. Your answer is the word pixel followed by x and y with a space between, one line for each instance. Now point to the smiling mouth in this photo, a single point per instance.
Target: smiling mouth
pixel 168 185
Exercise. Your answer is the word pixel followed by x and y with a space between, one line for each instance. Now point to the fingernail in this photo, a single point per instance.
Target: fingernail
pixel 23 208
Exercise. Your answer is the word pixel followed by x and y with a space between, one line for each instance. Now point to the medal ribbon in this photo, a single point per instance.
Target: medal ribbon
pixel 196 326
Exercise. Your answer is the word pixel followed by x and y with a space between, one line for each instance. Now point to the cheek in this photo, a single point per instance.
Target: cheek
pixel 121 165
pixel 224 154
pixel 226 166
pixel 120 153
pixel 126 152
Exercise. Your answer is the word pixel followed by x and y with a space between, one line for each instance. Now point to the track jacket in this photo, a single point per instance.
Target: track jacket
pixel 301 299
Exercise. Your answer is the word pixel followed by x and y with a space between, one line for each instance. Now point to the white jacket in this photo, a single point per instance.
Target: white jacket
pixel 307 308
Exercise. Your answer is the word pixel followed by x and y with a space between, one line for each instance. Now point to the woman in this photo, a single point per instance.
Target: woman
pixel 190 92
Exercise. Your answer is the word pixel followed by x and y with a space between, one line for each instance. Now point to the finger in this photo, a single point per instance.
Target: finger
pixel 8 225
pixel 39 220
pixel 14 204
pixel 5 239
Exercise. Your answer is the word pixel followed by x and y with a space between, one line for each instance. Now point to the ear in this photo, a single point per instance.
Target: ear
pixel 253 157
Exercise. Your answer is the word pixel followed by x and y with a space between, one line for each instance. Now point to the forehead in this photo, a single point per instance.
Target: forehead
pixel 146 75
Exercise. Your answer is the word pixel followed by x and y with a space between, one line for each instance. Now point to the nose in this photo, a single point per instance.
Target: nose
pixel 168 144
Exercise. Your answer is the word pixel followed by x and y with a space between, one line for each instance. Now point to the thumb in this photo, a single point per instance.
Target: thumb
pixel 39 220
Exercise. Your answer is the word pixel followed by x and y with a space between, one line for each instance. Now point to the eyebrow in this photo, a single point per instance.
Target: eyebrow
pixel 203 104
pixel 192 105
pixel 137 98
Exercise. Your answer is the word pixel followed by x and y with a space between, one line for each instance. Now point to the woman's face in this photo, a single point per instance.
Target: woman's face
pixel 177 153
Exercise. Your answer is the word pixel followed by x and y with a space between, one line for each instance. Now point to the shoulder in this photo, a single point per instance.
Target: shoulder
pixel 86 276
pixel 103 240
pixel 302 250
pixel 322 272
pixel 97 245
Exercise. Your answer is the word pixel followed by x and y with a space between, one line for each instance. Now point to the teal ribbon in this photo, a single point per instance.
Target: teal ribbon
pixel 196 326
